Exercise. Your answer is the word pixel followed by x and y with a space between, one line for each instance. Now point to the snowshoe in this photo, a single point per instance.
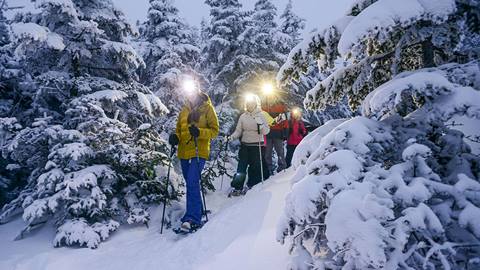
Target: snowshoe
pixel 234 193
pixel 237 193
pixel 187 228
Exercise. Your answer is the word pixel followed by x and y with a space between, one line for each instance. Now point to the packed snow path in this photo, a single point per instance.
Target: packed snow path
pixel 239 235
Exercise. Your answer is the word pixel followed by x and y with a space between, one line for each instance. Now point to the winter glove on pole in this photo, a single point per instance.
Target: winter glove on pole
pixel 194 131
pixel 173 140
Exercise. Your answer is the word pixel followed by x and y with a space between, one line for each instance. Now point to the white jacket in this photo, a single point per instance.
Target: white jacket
pixel 248 126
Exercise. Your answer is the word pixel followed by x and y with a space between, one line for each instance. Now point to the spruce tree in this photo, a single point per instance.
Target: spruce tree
pixel 170 50
pixel 291 27
pixel 12 179
pixel 260 57
pixel 4 32
pixel 86 142
pixel 221 59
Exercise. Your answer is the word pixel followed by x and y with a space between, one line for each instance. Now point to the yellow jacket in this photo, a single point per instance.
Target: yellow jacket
pixel 269 119
pixel 208 125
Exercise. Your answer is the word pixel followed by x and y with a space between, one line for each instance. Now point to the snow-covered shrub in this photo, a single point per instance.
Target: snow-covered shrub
pixel 396 188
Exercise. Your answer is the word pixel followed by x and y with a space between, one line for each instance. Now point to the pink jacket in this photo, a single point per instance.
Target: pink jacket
pixel 297 132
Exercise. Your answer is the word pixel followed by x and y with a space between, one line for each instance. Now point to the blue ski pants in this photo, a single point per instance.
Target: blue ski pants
pixel 191 170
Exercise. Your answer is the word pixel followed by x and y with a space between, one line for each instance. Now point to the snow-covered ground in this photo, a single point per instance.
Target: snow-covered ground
pixel 239 235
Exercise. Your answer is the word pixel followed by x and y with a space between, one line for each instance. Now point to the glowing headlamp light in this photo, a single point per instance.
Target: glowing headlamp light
pixel 267 89
pixel 250 98
pixel 189 87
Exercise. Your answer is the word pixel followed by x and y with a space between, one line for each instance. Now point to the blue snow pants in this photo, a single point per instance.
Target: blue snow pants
pixel 191 170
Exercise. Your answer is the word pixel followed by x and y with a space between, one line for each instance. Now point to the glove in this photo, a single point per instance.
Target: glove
pixel 194 131
pixel 173 139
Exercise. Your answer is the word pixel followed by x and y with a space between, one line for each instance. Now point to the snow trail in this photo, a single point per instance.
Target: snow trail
pixel 239 235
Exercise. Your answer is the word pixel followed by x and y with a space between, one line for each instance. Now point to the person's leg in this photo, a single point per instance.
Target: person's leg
pixel 290 151
pixel 280 150
pixel 239 178
pixel 254 173
pixel 266 172
pixel 269 154
pixel 185 164
pixel 194 197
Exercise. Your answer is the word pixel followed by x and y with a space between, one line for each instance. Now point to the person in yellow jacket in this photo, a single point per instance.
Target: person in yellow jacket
pixel 197 125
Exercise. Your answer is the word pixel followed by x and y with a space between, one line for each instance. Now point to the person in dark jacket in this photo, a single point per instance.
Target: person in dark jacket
pixel 296 134
pixel 277 136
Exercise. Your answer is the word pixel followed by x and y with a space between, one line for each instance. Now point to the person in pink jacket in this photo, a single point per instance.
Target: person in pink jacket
pixel 297 132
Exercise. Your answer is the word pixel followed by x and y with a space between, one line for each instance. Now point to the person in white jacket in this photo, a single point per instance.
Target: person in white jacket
pixel 251 129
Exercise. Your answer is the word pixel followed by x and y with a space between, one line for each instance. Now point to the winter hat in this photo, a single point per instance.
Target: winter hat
pixel 251 98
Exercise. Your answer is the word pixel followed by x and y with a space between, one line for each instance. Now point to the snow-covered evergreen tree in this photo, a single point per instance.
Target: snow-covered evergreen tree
pixel 260 58
pixel 204 32
pixel 396 187
pixel 11 178
pixel 168 46
pixel 90 155
pixel 221 59
pixel 257 41
pixel 290 29
pixel 4 32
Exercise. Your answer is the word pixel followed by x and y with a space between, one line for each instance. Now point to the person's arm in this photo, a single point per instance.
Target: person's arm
pixel 303 129
pixel 182 130
pixel 238 130
pixel 212 130
pixel 285 128
pixel 265 128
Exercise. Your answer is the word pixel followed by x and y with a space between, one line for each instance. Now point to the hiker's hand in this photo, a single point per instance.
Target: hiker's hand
pixel 194 131
pixel 173 139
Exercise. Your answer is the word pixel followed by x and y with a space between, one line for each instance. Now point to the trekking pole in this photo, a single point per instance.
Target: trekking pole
pixel 172 152
pixel 260 151
pixel 200 175
pixel 223 175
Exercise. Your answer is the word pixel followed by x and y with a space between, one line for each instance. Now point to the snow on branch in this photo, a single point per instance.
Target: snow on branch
pixel 80 232
pixel 378 19
pixel 313 48
pixel 110 95
pixel 429 89
pixel 37 33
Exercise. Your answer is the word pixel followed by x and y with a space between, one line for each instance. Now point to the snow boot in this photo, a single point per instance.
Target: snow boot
pixel 238 181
